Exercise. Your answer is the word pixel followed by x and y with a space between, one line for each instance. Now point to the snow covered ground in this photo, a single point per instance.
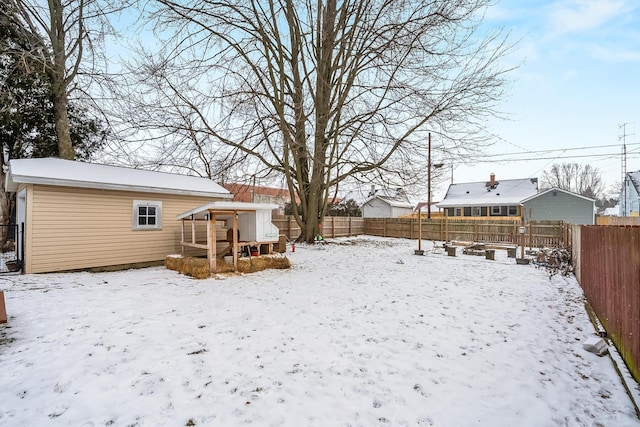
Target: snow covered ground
pixel 360 332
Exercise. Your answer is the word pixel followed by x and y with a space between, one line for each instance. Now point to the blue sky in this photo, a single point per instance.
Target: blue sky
pixel 578 80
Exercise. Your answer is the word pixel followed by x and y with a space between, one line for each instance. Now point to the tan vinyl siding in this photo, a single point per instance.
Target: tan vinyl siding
pixel 76 228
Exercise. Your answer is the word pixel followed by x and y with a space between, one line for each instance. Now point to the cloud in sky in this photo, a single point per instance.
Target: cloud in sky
pixel 582 15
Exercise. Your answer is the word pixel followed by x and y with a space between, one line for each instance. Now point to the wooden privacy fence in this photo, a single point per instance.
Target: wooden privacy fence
pixel 608 269
pixel 537 233
pixel 333 226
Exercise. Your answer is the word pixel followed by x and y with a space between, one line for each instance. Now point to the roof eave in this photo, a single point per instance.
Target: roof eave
pixel 14 180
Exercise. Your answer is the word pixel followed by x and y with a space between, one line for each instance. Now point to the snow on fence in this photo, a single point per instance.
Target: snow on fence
pixel 607 261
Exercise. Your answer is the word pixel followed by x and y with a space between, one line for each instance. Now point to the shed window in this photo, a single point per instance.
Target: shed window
pixel 475 211
pixel 513 210
pixel 496 210
pixel 147 215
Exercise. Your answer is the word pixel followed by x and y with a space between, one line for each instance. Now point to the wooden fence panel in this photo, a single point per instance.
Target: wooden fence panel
pixel 332 226
pixel 609 260
pixel 543 233
pixel 618 220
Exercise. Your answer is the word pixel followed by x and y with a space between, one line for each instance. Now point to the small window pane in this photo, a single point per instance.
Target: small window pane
pixel 152 220
pixel 151 210
pixel 142 220
pixel 142 210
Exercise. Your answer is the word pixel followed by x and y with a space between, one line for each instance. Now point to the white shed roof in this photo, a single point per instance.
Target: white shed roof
pixel 67 173
pixel 201 211
pixel 507 192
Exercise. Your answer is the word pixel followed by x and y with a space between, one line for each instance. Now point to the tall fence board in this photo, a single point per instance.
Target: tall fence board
pixel 618 220
pixel 609 261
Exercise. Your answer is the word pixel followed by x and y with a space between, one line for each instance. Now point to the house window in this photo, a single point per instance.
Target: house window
pixel 496 210
pixel 513 210
pixel 458 212
pixel 475 211
pixel 147 215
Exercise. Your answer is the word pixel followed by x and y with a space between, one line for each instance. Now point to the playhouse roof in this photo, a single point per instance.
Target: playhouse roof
pixel 67 173
pixel 226 207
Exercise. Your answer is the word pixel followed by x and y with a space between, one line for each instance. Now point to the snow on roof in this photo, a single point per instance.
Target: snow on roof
pixel 558 189
pixel 59 172
pixel 614 211
pixel 506 192
pixel 201 211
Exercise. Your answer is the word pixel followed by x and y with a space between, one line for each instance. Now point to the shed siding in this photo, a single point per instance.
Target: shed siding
pixel 75 228
pixel 376 208
pixel 398 211
pixel 563 207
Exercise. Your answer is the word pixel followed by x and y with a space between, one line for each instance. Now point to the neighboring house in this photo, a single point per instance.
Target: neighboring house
pixel 386 203
pixel 630 195
pixel 257 194
pixel 489 199
pixel 560 205
pixel 82 215
pixel 614 211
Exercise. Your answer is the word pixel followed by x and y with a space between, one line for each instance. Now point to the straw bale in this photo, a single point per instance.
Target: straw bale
pixel 253 264
pixel 198 268
pixel 173 262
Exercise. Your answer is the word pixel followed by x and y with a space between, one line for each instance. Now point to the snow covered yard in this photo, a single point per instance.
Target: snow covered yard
pixel 360 332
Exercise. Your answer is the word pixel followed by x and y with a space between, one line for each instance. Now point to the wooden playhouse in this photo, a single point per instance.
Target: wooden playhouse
pixel 229 229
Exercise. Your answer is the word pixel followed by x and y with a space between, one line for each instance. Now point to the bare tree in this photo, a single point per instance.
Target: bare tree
pixel 321 92
pixel 64 36
pixel 582 179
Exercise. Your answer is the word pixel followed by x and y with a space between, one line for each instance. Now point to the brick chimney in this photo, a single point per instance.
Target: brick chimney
pixel 492 180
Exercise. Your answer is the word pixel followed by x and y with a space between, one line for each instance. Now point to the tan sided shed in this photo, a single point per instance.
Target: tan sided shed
pixel 84 215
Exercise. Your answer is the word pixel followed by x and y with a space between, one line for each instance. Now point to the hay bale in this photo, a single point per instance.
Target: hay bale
pixel 198 268
pixel 173 262
pixel 253 264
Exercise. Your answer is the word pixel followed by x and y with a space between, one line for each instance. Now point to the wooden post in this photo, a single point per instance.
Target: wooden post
pixel 350 228
pixel 419 230
pixel 522 243
pixel 182 239
pixel 530 232
pixel 446 224
pixel 235 239
pixel 3 309
pixel 193 229
pixel 333 226
pixel 211 242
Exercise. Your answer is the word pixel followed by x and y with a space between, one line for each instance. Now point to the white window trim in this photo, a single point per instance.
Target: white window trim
pixel 155 203
pixel 496 210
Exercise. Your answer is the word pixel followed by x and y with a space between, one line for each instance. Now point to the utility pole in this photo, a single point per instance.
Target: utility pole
pixel 429 179
pixel 623 195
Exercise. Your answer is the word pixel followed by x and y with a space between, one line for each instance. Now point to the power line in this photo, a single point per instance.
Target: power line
pixel 526 159
pixel 552 150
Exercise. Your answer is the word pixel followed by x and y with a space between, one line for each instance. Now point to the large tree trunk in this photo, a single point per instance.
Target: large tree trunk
pixel 65 148
pixel 59 83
